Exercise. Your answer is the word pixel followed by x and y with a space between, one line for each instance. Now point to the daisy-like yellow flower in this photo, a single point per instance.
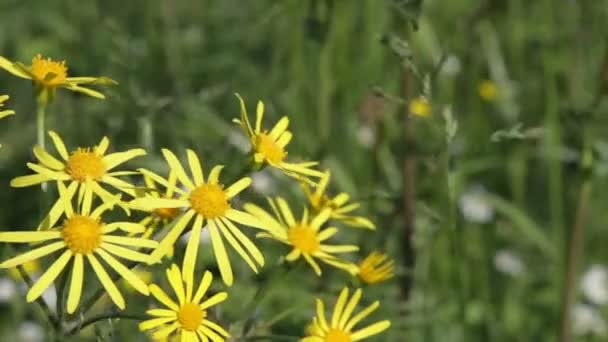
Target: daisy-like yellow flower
pixel 4 113
pixel 488 90
pixel 188 316
pixel 420 106
pixel 207 202
pixel 376 268
pixel 340 210
pixel 48 75
pixel 83 235
pixel 86 168
pixel 342 324
pixel 305 236
pixel 159 216
pixel 268 148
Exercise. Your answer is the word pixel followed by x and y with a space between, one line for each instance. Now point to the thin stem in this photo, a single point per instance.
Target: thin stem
pixel 40 121
pixel 101 317
pixel 575 248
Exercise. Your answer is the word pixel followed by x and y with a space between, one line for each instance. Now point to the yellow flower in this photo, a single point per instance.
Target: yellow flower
pixel 340 328
pixel 340 210
pixel 268 148
pixel 49 75
pixel 84 168
pixel 4 113
pixel 209 202
pixel 159 216
pixel 82 235
pixel 189 315
pixel 488 90
pixel 376 268
pixel 306 236
pixel 420 106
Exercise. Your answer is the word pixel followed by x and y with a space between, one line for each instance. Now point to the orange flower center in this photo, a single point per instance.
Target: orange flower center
pixel 85 164
pixel 166 213
pixel 270 149
pixel 190 316
pixel 209 201
pixel 304 238
pixel 48 72
pixel 335 335
pixel 81 234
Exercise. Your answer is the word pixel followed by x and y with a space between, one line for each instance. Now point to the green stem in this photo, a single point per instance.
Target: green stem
pixel 43 306
pixel 575 248
pixel 101 317
pixel 40 121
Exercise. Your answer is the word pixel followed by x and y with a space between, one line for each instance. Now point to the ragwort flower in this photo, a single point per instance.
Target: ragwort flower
pixel 188 316
pixel 340 210
pixel 340 328
pixel 306 236
pixel 85 168
pixel 207 202
pixel 48 75
pixel 268 147
pixel 420 106
pixel 83 235
pixel 376 268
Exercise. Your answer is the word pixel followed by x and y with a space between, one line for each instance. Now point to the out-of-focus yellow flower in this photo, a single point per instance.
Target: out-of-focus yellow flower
pixel 340 210
pixel 268 148
pixel 82 235
pixel 188 316
pixel 306 236
pixel 30 267
pixel 85 168
pixel 488 90
pixel 340 327
pixel 48 75
pixel 208 203
pixel 420 106
pixel 4 113
pixel 376 268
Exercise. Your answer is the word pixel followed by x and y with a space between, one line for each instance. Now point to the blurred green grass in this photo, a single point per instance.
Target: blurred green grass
pixel 179 63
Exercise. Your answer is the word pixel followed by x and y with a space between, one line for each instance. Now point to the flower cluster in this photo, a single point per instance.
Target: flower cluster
pixel 90 182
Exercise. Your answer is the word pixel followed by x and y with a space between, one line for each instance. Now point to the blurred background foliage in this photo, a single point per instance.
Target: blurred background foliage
pixel 494 203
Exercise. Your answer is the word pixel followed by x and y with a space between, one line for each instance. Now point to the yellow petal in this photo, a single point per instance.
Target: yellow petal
pixel 47 159
pixel 29 180
pixel 10 67
pixel 321 314
pixel 370 330
pixel 190 256
pixel 26 237
pixel 237 187
pixel 279 128
pixel 348 310
pixel 125 253
pixel 124 272
pixel 215 299
pixel 175 279
pixel 168 241
pixel 220 254
pixel 75 283
pixel 361 315
pixel 176 166
pixel 162 297
pixel 214 175
pixel 155 322
pixel 203 287
pixel 48 277
pixel 195 168
pixel 130 241
pixel 237 247
pixel 247 243
pixel 114 159
pixel 59 145
pixel 339 307
pixel 33 254
pixel 106 281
